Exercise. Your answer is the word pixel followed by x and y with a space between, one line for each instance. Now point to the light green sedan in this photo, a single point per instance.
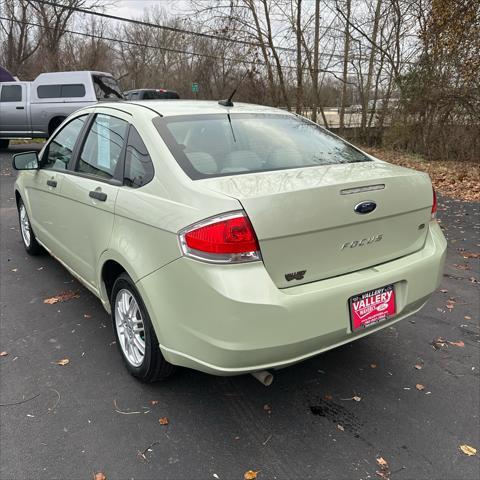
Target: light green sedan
pixel 229 239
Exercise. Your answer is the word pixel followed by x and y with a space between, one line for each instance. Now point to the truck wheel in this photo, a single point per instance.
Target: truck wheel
pixel 4 144
pixel 135 334
pixel 54 123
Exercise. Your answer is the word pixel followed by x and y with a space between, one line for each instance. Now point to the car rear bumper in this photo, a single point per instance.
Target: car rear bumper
pixel 232 319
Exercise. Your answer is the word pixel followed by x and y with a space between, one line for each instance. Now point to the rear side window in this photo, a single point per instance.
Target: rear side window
pixel 103 147
pixel 232 144
pixel 138 164
pixel 61 91
pixel 11 93
pixel 60 150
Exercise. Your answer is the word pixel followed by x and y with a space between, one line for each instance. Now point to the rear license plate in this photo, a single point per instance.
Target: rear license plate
pixel 372 307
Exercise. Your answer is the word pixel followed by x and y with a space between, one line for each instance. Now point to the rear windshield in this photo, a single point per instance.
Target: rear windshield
pixel 159 95
pixel 106 87
pixel 221 144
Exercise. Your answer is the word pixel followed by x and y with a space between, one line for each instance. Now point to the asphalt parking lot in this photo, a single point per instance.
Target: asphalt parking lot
pixel 418 402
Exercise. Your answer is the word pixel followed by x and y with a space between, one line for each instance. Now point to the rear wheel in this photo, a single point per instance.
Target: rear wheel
pixel 4 144
pixel 54 124
pixel 135 335
pixel 29 240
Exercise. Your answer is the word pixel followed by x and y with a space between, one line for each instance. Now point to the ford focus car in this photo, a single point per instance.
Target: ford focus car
pixel 228 239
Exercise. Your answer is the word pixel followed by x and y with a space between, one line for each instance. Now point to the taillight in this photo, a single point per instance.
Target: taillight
pixel 434 205
pixel 227 238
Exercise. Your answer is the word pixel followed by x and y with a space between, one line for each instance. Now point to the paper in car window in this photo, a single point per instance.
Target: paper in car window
pixel 103 135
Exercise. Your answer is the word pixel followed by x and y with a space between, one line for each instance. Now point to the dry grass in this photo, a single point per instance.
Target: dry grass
pixel 459 180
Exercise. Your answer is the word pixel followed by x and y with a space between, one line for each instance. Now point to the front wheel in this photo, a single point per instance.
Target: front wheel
pixel 135 335
pixel 29 240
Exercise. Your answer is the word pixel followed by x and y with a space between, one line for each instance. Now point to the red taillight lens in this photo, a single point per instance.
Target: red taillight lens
pixel 227 239
pixel 434 205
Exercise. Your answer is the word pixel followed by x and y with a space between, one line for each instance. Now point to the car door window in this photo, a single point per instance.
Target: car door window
pixel 59 151
pixel 11 93
pixel 103 146
pixel 138 164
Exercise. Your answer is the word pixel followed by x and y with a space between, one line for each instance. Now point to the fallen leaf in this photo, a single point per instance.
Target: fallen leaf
pixel 328 397
pixel 268 408
pixel 470 255
pixel 341 428
pixel 468 450
pixel 62 297
pixel 250 475
pixel 439 343
pixel 99 476
pixel 444 290
pixel 3 354
pixel 420 387
pixel 373 365
pixel 467 317
pixel 63 361
pixel 457 344
pixel 418 367
pixel 163 421
pixel 154 402
pixel 382 462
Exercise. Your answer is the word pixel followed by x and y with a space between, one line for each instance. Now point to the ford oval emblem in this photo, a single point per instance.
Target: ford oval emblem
pixel 365 207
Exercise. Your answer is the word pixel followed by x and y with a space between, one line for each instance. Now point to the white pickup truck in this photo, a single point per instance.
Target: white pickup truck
pixel 35 109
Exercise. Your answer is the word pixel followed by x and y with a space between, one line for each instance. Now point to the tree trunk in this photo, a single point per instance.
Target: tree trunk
pixel 263 48
pixel 366 93
pixel 315 61
pixel 271 45
pixel 346 53
pixel 299 58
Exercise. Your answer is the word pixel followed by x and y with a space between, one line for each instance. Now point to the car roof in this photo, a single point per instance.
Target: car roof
pixel 196 107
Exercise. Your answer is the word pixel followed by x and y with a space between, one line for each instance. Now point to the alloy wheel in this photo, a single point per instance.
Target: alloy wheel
pixel 129 325
pixel 25 225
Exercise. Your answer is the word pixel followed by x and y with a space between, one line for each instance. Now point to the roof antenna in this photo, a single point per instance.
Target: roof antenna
pixel 228 102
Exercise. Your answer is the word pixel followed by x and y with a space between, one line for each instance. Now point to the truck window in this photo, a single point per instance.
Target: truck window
pixel 76 90
pixel 106 87
pixel 11 93
pixel 61 91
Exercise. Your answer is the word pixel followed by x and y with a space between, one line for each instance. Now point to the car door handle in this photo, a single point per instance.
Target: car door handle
pixel 98 195
pixel 52 183
pixel 20 108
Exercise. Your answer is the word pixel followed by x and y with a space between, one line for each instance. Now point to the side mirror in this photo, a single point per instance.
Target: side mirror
pixel 25 161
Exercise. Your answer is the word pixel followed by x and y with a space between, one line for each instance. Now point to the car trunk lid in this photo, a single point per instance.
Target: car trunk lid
pixel 306 222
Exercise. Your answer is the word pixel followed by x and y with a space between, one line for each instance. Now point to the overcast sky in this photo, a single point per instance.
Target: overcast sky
pixel 134 8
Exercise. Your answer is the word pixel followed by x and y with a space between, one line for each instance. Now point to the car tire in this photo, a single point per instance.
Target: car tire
pixel 54 124
pixel 134 332
pixel 28 236
pixel 4 144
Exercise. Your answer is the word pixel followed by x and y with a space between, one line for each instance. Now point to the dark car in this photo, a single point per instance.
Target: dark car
pixel 150 94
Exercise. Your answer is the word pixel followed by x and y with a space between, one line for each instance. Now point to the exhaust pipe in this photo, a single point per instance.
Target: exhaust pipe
pixel 264 377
